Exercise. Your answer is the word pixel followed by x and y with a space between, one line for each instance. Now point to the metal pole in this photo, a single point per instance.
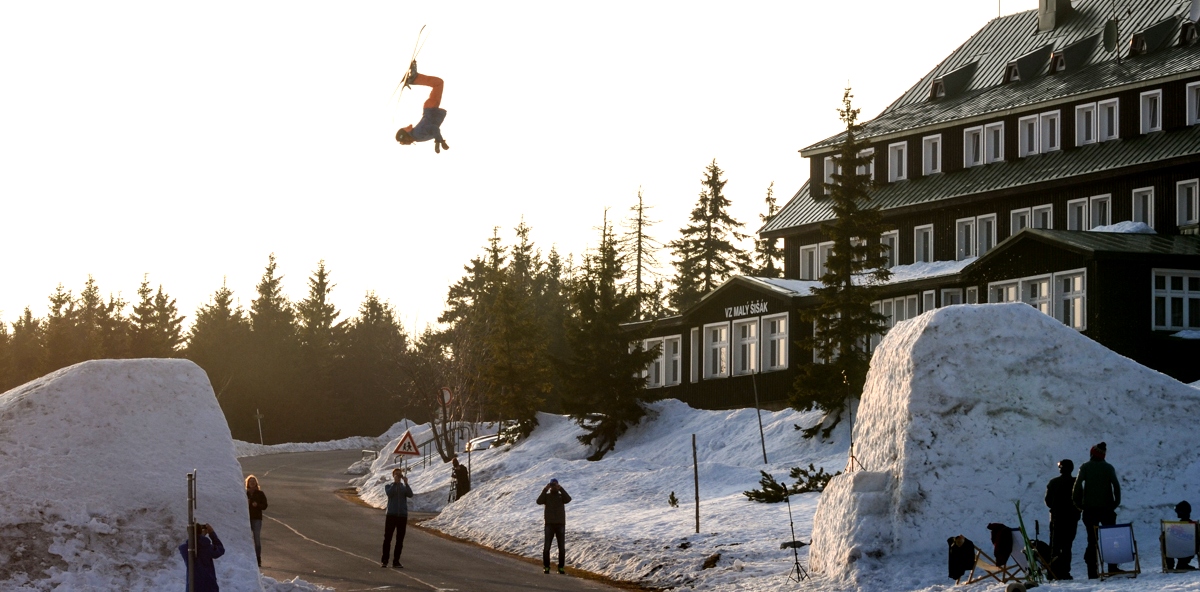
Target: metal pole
pixel 761 438
pixel 696 475
pixel 191 530
pixel 259 417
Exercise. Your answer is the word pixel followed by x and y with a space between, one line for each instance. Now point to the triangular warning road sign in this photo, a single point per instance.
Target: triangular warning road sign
pixel 407 445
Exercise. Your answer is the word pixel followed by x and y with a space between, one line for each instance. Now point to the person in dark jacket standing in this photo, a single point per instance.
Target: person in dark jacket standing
pixel 257 501
pixel 1097 493
pixel 554 498
pixel 462 480
pixel 1064 520
pixel 208 547
pixel 396 520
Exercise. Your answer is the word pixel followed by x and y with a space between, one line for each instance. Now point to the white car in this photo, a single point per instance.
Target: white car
pixel 481 443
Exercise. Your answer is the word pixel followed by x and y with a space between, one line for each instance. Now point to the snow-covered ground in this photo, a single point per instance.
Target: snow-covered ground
pixel 93 480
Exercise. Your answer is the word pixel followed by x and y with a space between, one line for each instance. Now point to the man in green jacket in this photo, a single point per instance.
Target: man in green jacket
pixel 1097 493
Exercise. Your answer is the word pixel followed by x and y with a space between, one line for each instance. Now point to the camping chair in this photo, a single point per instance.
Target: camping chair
pixel 1115 544
pixel 1019 557
pixel 1178 542
pixel 986 567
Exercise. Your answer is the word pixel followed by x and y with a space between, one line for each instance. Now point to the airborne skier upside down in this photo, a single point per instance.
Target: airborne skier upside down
pixel 432 116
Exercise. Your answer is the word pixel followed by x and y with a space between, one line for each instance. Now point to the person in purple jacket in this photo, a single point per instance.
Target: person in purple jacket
pixel 430 125
pixel 206 551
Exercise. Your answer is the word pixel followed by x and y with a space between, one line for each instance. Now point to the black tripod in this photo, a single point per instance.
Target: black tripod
pixel 797 573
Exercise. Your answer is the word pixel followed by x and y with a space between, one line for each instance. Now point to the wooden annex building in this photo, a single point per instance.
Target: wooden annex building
pixel 1052 159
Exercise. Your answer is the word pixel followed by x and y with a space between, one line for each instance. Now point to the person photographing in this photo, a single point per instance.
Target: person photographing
pixel 208 547
pixel 396 520
pixel 555 499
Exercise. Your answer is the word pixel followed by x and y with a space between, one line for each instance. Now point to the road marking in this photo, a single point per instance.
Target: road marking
pixel 369 560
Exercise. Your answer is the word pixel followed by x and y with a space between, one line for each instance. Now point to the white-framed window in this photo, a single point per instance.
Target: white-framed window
pixel 928 300
pixel 964 238
pixel 775 342
pixel 654 372
pixel 1035 292
pixel 898 161
pixel 1085 124
pixel 1108 120
pixel 993 134
pixel 868 168
pixel 1143 206
pixel 831 168
pixel 1193 103
pixel 931 155
pixel 1101 210
pixel 696 355
pixel 1043 217
pixel 1176 299
pixel 951 296
pixel 985 233
pixel 891 241
pixel 823 251
pixel 1019 219
pixel 972 147
pixel 1070 298
pixel 1151 102
pixel 1187 208
pixel 716 350
pixel 876 337
pixel 1077 214
pixel 898 310
pixel 923 244
pixel 672 363
pixel 1049 131
pixel 972 295
pixel 1004 291
pixel 745 346
pixel 808 263
pixel 1027 129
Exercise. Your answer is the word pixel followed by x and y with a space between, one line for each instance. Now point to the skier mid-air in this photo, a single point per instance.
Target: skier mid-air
pixel 430 125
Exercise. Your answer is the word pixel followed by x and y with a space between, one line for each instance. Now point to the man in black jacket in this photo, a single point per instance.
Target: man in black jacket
pixel 1097 493
pixel 462 480
pixel 554 498
pixel 1064 520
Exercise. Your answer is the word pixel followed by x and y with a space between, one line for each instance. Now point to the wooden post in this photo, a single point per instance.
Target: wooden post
pixel 696 475
pixel 761 437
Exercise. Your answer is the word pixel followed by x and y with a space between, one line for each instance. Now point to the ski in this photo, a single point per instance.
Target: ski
pixel 416 50
pixel 1034 575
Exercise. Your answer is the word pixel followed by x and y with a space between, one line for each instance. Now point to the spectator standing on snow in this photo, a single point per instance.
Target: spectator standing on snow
pixel 396 520
pixel 257 501
pixel 1064 520
pixel 554 498
pixel 208 547
pixel 1097 493
pixel 462 480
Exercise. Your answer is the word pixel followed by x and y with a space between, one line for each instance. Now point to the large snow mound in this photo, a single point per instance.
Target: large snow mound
pixel 967 409
pixel 93 486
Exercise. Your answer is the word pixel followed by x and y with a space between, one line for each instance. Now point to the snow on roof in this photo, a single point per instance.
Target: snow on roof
pixel 93 471
pixel 1126 227
pixel 919 271
pixel 968 408
pixel 797 287
pixel 1187 334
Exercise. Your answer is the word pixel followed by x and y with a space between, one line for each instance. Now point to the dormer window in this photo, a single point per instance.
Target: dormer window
pixel 937 90
pixel 1137 45
pixel 1188 33
pixel 1058 63
pixel 1012 74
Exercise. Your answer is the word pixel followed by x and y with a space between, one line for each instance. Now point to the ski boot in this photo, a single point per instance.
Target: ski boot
pixel 411 75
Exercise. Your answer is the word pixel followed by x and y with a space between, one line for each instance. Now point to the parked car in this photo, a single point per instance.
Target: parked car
pixel 481 443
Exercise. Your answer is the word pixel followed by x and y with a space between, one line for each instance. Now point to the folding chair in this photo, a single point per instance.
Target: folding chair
pixel 987 568
pixel 1116 545
pixel 1019 557
pixel 1178 541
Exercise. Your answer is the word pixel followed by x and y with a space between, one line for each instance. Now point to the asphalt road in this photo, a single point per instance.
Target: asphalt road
pixel 312 532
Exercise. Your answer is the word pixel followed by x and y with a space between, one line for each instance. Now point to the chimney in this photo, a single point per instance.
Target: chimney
pixel 1052 13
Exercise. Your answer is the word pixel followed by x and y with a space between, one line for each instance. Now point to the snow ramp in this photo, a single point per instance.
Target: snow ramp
pixel 93 487
pixel 967 409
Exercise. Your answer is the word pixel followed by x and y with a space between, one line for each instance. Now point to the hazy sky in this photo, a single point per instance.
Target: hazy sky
pixel 188 141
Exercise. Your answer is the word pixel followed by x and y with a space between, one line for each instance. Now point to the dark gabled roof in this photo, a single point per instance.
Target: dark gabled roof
pixel 1107 242
pixel 1008 38
pixel 1020 173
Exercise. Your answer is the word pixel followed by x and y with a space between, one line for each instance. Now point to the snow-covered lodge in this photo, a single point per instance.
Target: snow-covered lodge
pixel 1052 159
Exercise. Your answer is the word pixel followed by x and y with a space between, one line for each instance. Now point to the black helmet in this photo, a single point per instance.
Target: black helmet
pixel 1065 466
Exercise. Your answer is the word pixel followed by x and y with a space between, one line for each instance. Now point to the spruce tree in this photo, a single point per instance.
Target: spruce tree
pixel 62 346
pixel 369 372
pixel 274 354
pixel 843 321
pixel 705 254
pixel 218 342
pixel 5 357
pixel 606 391
pixel 27 351
pixel 768 255
pixel 640 248
pixel 155 326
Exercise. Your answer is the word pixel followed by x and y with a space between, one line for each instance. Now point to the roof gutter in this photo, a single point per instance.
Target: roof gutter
pixel 811 152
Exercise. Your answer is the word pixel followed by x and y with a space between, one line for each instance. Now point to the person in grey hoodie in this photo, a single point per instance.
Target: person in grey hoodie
pixel 554 498
pixel 396 519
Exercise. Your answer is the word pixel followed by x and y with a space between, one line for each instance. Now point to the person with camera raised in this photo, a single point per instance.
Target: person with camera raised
pixel 208 547
pixel 554 498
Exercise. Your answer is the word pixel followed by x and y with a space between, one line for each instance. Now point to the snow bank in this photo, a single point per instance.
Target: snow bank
pixel 968 408
pixel 93 489
pixel 619 523
pixel 357 442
